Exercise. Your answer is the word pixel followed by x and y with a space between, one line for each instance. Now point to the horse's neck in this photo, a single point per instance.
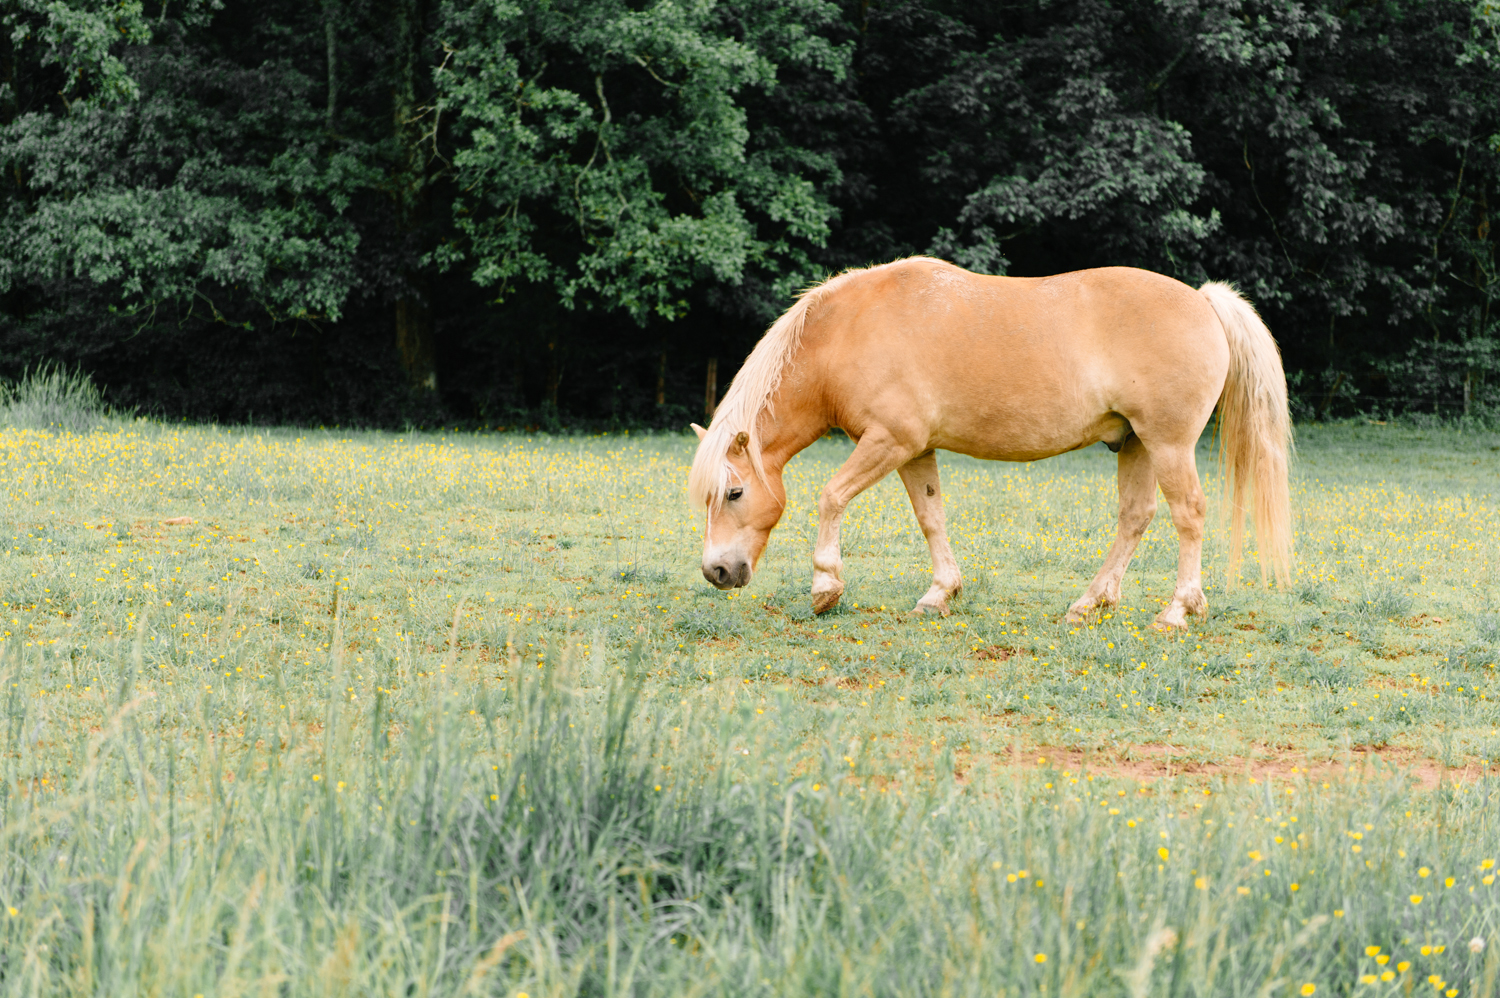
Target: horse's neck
pixel 789 425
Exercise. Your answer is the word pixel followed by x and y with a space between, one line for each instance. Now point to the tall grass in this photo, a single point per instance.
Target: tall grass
pixel 51 397
pixel 308 715
pixel 559 831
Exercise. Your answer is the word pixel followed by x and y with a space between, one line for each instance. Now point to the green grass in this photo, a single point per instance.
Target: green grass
pixel 50 397
pixel 456 714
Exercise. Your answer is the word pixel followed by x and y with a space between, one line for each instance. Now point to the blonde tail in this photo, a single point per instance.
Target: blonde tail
pixel 1255 436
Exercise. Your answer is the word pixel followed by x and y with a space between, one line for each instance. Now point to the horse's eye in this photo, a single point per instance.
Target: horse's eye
pixel 734 493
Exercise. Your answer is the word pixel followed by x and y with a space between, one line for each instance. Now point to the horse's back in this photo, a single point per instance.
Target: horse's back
pixel 1019 368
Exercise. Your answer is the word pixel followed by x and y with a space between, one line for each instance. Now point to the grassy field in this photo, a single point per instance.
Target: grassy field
pixel 323 713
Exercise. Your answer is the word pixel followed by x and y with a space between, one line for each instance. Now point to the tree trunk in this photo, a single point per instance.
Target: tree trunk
pixel 1333 391
pixel 1482 280
pixel 330 38
pixel 9 105
pixel 711 388
pixel 554 373
pixel 661 380
pixel 414 337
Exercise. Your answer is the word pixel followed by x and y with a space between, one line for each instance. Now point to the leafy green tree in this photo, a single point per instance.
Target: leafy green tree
pixel 1349 163
pixel 392 210
pixel 1067 138
pixel 117 185
pixel 1331 159
pixel 601 148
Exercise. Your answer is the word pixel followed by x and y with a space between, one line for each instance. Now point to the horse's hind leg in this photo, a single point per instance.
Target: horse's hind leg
pixel 920 475
pixel 1137 483
pixel 1177 471
pixel 876 455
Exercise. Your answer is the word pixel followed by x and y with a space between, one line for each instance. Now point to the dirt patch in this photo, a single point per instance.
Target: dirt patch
pixel 1277 768
pixel 1265 764
pixel 995 653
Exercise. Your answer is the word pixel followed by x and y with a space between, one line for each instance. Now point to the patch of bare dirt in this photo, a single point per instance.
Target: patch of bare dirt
pixel 1265 764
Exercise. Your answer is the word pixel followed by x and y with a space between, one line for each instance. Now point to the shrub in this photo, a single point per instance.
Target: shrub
pixel 51 397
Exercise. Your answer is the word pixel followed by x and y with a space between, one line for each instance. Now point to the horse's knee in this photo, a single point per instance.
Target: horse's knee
pixel 828 505
pixel 1136 517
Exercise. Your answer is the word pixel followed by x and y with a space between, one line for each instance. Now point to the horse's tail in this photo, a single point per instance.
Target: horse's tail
pixel 1255 435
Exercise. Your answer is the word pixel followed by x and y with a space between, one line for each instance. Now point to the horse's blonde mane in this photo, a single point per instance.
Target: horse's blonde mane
pixel 752 390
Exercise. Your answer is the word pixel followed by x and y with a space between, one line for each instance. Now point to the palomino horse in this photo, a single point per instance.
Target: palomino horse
pixel 919 355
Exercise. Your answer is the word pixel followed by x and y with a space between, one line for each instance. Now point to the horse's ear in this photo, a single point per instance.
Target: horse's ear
pixel 741 441
pixel 699 430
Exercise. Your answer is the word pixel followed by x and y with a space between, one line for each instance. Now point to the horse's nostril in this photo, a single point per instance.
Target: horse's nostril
pixel 726 575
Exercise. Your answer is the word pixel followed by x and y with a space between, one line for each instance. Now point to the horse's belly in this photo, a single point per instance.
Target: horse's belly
pixel 1000 435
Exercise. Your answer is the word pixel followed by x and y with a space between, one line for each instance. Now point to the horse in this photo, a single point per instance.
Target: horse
pixel 919 355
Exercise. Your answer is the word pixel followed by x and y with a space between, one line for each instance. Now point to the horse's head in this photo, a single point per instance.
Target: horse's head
pixel 742 508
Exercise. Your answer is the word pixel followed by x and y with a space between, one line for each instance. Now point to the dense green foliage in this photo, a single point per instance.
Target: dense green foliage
pixel 388 210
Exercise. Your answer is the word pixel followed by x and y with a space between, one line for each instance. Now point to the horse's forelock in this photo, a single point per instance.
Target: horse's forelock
pixel 708 481
pixel 711 474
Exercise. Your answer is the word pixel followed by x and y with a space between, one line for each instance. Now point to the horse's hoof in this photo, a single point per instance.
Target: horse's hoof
pixel 1167 621
pixel 1080 612
pixel 825 601
pixel 922 609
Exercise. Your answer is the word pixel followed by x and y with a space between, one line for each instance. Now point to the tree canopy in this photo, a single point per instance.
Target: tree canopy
pixel 499 212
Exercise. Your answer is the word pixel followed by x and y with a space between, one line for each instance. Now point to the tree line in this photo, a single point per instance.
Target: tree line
pixel 542 212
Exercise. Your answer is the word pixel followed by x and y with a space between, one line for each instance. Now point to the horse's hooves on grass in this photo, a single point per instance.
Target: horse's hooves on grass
pixel 922 609
pixel 1079 613
pixel 823 602
pixel 1167 624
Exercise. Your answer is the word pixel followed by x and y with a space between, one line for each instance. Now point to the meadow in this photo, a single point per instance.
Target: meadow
pixel 317 712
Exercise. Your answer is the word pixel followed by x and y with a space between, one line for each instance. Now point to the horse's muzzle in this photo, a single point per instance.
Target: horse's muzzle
pixel 727 574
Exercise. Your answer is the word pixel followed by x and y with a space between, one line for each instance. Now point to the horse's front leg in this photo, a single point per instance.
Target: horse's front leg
pixel 920 476
pixel 876 455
